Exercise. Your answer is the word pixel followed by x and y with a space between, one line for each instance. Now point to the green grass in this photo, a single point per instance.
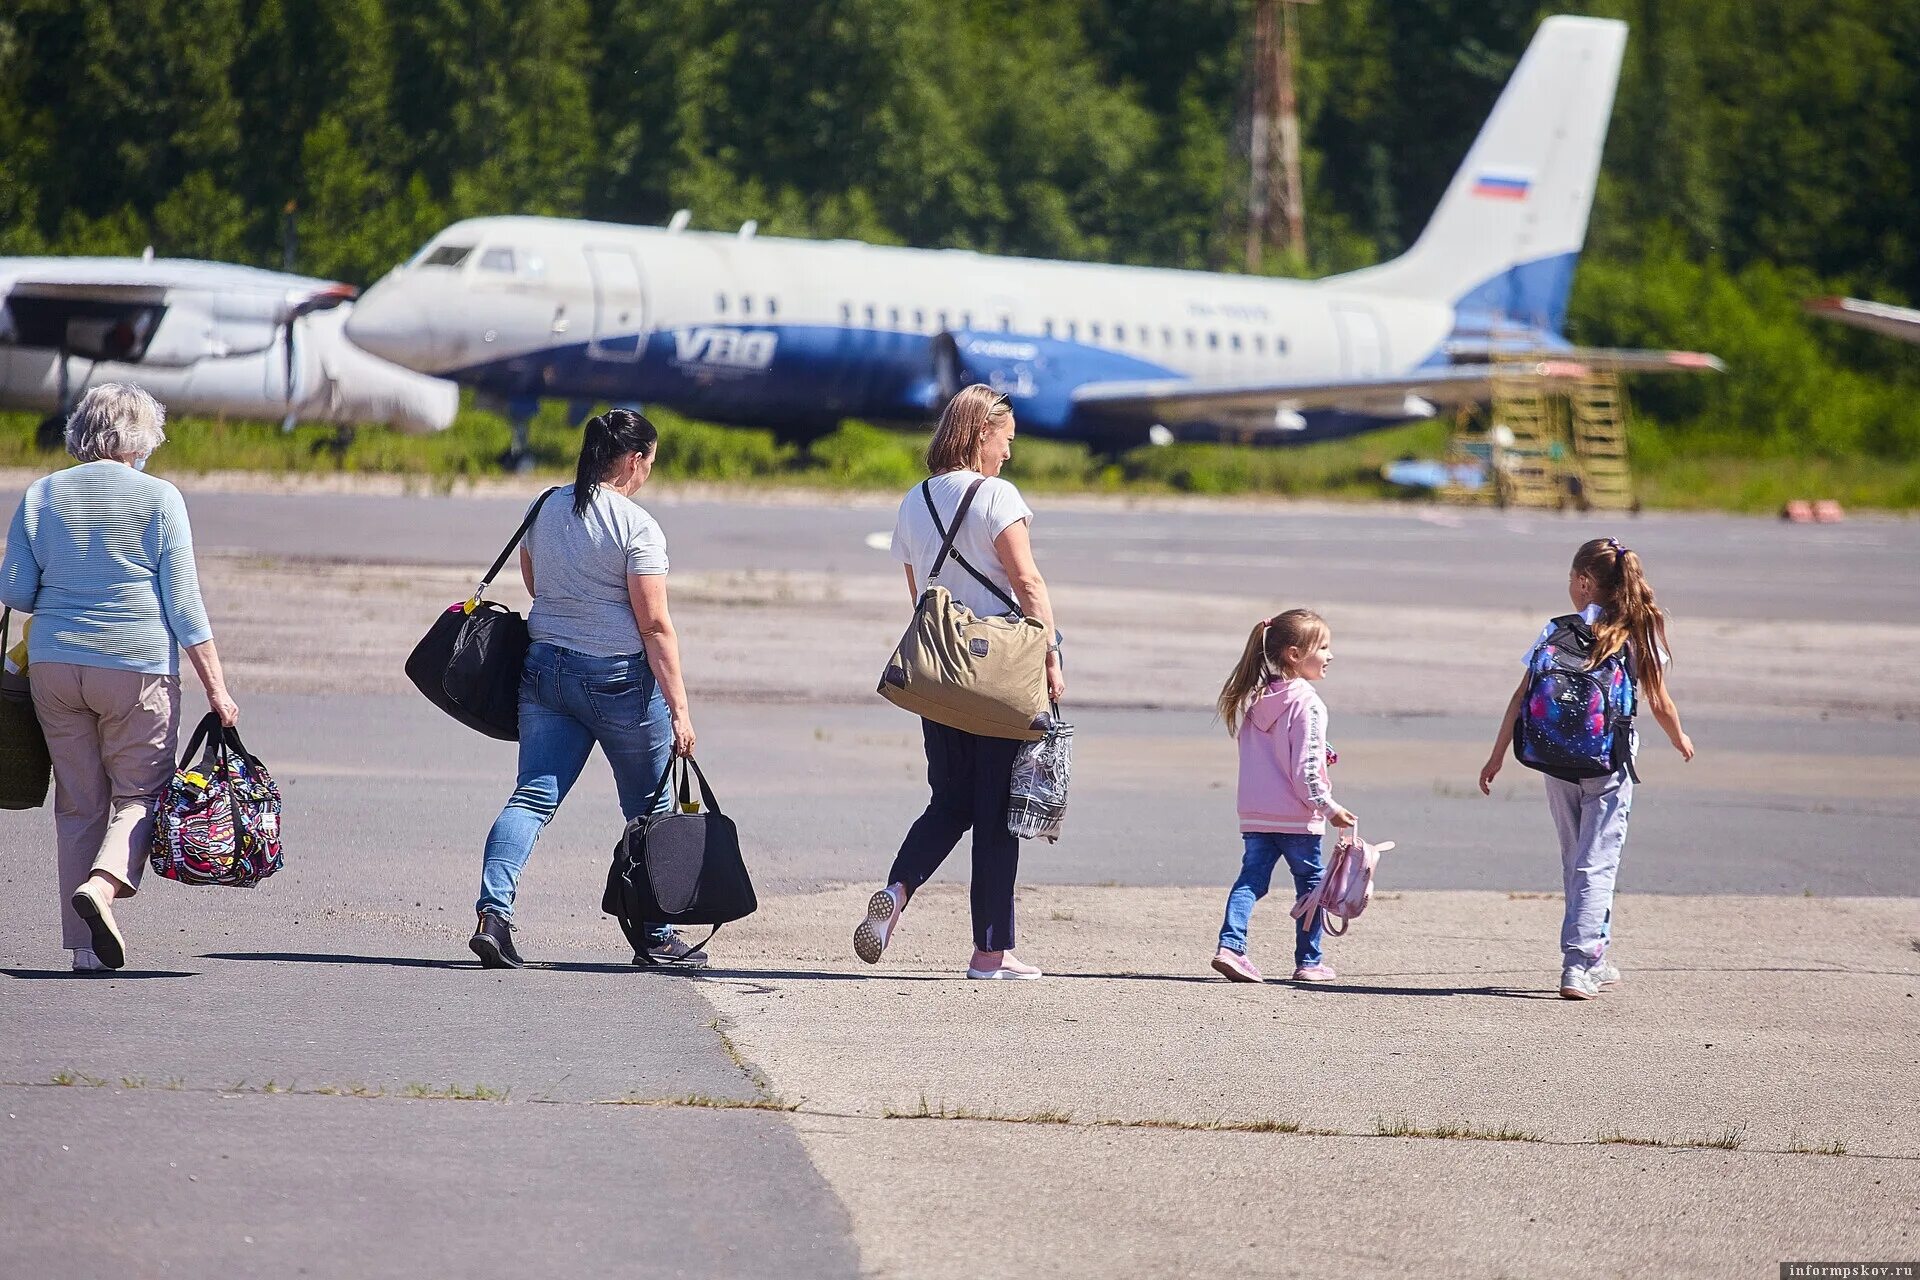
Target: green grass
pixel 1714 475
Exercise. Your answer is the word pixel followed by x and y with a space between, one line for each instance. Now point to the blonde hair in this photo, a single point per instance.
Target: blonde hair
pixel 117 421
pixel 1265 656
pixel 963 426
pixel 1629 615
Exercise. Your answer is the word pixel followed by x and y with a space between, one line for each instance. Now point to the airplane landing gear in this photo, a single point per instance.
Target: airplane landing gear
pixel 518 459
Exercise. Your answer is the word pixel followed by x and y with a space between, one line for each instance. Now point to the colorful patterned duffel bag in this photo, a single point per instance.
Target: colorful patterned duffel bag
pixel 218 821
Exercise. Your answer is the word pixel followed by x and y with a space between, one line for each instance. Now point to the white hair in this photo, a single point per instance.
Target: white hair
pixel 116 421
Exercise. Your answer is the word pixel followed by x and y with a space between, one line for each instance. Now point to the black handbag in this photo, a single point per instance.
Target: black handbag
pixel 682 866
pixel 469 662
pixel 26 770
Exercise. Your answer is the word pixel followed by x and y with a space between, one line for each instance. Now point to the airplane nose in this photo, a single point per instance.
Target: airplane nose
pixel 394 326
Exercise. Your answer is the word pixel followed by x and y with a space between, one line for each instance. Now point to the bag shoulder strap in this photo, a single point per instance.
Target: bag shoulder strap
pixel 947 548
pixel 499 561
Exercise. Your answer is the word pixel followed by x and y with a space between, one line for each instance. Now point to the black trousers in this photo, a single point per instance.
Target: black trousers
pixel 969 776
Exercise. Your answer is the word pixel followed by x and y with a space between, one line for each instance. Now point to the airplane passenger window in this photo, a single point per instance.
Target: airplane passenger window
pixel 773 306
pixel 720 303
pixel 1213 340
pixel 893 317
pixel 1093 331
pixel 1260 343
pixel 870 318
pixel 1006 322
pixel 497 260
pixel 447 255
pixel 942 318
pixel 1235 339
pixel 1191 343
pixel 1279 346
pixel 1146 335
pixel 746 305
pixel 1046 327
pixel 1166 337
pixel 846 313
pixel 919 320
pixel 1073 331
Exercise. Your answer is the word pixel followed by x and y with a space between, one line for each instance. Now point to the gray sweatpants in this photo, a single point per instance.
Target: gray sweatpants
pixel 1591 819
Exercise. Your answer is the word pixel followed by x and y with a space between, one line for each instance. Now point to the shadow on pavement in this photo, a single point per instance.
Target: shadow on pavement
pixel 55 975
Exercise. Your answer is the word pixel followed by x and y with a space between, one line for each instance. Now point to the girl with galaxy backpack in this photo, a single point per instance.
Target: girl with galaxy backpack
pixel 1571 718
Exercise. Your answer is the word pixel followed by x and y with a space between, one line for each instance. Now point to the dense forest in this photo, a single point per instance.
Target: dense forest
pixel 1762 151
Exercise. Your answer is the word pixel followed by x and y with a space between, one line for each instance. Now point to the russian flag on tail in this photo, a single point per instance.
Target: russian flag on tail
pixel 1503 184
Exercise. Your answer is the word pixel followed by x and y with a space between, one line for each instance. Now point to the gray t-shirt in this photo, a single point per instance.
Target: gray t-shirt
pixel 580 568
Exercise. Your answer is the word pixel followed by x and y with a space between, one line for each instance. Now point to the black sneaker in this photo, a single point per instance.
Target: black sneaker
pixel 674 950
pixel 492 941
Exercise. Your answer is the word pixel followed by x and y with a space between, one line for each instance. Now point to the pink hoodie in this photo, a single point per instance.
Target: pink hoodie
pixel 1283 761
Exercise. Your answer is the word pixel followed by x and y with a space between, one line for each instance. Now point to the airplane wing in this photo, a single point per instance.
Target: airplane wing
pixel 1276 405
pixel 1876 317
pixel 111 309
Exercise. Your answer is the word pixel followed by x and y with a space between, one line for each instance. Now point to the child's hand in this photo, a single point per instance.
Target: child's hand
pixel 1684 745
pixel 1489 771
pixel 1341 818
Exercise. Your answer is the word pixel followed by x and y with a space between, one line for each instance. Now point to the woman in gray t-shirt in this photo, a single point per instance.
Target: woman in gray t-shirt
pixel 604 667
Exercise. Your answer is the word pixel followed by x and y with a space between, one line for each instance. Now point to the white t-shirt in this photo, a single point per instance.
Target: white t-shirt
pixel 996 508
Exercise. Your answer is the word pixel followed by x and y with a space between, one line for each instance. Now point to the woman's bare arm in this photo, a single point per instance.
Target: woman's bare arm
pixel 206 665
pixel 526 569
pixel 1015 550
pixel 647 594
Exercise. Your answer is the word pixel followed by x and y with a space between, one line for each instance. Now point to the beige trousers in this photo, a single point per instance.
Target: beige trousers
pixel 112 735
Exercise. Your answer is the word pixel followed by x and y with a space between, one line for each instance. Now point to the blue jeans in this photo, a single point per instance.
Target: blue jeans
pixel 568 702
pixel 1264 849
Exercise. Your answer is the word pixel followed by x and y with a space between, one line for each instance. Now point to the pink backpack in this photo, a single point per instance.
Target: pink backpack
pixel 1343 893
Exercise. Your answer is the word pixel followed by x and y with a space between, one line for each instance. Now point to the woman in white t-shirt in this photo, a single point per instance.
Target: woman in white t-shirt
pixel 969 774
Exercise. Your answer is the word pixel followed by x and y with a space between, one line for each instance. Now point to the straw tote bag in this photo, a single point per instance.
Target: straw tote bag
pixel 986 676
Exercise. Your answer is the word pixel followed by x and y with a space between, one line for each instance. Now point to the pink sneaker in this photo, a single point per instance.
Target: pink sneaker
pixel 1236 967
pixel 1314 973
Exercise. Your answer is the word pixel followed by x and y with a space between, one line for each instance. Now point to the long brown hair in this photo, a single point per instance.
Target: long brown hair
pixel 1265 657
pixel 963 426
pixel 1628 614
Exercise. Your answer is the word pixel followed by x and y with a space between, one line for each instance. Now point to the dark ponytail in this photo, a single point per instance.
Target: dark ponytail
pixel 611 436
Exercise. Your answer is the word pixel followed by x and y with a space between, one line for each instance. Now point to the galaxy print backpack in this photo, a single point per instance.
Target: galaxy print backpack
pixel 218 821
pixel 1577 720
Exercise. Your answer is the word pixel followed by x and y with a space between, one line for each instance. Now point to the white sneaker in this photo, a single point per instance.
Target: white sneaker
pixel 84 961
pixel 871 935
pixel 1577 982
pixel 1606 973
pixel 96 909
pixel 1010 970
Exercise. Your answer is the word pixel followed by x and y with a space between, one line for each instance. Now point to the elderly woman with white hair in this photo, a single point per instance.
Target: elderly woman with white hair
pixel 102 556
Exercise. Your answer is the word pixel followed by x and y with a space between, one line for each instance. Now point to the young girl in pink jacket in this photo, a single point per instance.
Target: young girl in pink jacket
pixel 1269 704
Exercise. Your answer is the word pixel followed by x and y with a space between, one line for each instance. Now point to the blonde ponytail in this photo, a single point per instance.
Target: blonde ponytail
pixel 1629 616
pixel 1265 658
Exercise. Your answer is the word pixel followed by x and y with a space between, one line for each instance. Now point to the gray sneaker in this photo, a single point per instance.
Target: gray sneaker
pixel 1606 973
pixel 1577 982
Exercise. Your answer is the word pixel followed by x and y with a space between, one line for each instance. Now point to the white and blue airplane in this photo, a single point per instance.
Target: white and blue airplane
pixel 206 338
pixel 798 334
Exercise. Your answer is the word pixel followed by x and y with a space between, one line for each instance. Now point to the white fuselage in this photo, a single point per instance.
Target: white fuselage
pixel 204 338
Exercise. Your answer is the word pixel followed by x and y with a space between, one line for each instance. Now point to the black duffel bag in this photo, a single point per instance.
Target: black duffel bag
pixel 469 662
pixel 26 770
pixel 682 866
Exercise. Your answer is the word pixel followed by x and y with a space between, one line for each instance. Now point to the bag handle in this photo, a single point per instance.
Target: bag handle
pixel 499 561
pixel 686 785
pixel 947 548
pixel 645 957
pixel 209 726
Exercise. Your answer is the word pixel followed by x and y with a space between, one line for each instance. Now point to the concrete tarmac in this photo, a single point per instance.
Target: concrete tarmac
pixel 322 1053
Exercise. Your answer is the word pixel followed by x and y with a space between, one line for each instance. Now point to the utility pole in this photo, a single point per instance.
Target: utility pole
pixel 1275 135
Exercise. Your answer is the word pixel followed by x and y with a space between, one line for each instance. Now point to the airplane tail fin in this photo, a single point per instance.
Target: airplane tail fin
pixel 1502 244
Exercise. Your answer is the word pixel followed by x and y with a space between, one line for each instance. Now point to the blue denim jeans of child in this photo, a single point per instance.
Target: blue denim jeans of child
pixel 1264 850
pixel 568 702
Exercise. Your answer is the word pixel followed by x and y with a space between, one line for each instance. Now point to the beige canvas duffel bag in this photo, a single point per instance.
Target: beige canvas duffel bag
pixel 979 675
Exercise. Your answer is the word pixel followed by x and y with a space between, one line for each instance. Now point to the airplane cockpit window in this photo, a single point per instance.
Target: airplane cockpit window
pixel 447 255
pixel 500 260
